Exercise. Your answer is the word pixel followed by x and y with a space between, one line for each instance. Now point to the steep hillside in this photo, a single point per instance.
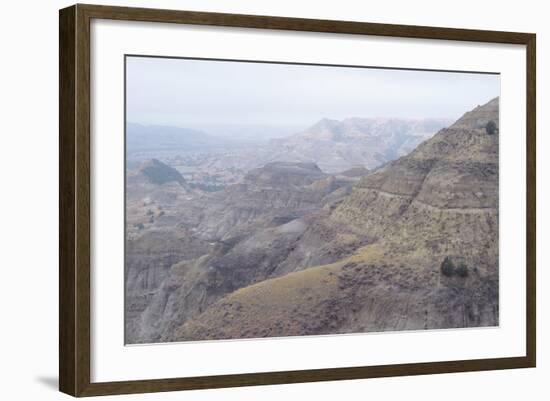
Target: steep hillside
pixel 429 260
pixel 154 240
pixel 267 226
pixel 273 194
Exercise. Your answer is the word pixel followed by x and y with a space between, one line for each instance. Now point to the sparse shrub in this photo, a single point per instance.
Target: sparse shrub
pixel 491 128
pixel 462 270
pixel 447 267
pixel 139 226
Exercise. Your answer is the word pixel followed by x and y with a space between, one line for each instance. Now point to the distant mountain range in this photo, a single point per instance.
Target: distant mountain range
pixel 369 142
pixel 333 145
pixel 149 138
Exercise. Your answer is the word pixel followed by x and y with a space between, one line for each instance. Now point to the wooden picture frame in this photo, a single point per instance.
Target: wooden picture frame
pixel 74 199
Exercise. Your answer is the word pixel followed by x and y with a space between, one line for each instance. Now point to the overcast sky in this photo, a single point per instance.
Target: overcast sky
pixel 191 93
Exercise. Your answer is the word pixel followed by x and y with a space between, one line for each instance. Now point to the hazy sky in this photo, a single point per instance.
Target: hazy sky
pixel 198 92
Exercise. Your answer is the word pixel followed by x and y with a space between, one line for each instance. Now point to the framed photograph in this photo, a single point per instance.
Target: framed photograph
pixel 250 200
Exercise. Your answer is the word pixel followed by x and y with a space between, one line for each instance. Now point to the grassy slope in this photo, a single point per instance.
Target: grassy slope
pixel 357 294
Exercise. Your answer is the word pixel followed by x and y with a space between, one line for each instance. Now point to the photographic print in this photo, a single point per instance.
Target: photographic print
pixel 268 199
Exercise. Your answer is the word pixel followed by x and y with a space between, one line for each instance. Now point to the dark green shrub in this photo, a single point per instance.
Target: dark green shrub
pixel 462 271
pixel 447 267
pixel 491 128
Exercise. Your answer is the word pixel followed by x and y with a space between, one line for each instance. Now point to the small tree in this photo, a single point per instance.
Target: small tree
pixel 491 128
pixel 462 271
pixel 447 267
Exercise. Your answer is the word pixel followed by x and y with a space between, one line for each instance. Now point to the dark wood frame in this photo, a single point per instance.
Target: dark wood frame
pixel 74 199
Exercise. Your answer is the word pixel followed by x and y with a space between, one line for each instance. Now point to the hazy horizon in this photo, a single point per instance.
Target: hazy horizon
pixel 202 94
pixel 256 132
